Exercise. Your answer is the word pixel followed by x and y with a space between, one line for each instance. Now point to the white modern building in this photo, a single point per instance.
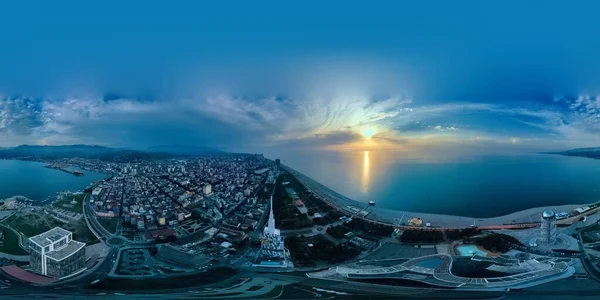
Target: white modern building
pixel 548 227
pixel 95 194
pixel 207 189
pixel 54 253
pixel 272 251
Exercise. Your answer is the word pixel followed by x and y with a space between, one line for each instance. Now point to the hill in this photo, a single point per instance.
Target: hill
pixel 86 151
pixel 593 152
pixel 185 150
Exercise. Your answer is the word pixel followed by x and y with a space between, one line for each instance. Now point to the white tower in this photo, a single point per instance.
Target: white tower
pixel 272 251
pixel 270 229
pixel 548 227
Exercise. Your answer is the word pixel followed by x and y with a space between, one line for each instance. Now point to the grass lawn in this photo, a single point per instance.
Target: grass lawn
pixel 81 232
pixel 30 224
pixel 67 203
pixel 109 224
pixel 10 242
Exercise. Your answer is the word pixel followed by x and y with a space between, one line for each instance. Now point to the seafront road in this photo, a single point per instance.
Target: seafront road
pixel 522 219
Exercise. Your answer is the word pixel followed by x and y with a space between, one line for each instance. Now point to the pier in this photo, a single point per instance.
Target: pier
pixel 61 168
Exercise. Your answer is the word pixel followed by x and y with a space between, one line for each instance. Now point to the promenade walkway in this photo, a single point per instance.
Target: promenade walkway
pixel 523 219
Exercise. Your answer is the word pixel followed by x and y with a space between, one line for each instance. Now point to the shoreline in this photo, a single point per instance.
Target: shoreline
pixel 52 197
pixel 392 217
pixel 19 198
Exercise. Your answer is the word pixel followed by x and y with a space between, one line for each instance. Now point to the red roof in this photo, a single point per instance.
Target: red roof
pixel 162 233
pixel 21 274
pixel 299 202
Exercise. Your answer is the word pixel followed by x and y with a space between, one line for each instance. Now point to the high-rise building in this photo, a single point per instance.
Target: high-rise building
pixel 272 251
pixel 277 165
pixel 54 253
pixel 207 189
pixel 548 227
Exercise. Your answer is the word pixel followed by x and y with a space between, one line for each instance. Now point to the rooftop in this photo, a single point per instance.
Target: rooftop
pixel 72 247
pixel 21 274
pixel 50 236
pixel 547 214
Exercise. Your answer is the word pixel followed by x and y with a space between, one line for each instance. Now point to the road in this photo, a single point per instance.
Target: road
pixel 585 259
pixel 339 202
pixel 85 208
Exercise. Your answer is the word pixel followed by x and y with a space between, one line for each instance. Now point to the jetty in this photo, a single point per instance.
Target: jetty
pixel 64 169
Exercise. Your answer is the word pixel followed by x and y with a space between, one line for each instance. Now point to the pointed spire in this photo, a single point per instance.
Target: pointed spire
pixel 271 223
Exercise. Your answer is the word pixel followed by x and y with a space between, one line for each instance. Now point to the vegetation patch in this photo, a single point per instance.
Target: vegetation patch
pixel 369 229
pixel 309 251
pixel 110 224
pixel 31 223
pixel 288 216
pixel 499 243
pixel 9 242
pixel 71 203
pixel 337 231
pixel 435 236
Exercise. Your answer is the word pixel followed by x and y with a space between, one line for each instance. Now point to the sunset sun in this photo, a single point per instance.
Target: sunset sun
pixel 368 132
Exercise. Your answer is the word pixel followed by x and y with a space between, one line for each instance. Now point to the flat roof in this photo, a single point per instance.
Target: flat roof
pixel 50 236
pixel 72 247
pixel 261 171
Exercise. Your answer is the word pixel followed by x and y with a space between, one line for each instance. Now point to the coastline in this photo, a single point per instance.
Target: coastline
pixel 50 194
pixel 18 198
pixel 391 217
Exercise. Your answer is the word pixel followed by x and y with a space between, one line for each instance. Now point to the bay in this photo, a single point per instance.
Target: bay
pixel 473 186
pixel 34 181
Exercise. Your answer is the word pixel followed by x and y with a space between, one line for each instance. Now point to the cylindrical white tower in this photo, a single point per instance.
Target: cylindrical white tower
pixel 548 227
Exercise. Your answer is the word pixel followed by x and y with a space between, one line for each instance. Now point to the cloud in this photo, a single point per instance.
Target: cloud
pixel 19 116
pixel 334 122
pixel 285 119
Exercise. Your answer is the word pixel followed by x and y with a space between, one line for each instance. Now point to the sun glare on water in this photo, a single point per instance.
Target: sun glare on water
pixel 368 132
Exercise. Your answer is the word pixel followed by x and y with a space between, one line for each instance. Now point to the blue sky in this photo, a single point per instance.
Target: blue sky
pixel 245 75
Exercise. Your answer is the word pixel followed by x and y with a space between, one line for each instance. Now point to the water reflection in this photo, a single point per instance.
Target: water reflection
pixel 366 173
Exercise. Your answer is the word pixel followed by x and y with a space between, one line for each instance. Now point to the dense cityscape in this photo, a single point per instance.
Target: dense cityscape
pixel 200 221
